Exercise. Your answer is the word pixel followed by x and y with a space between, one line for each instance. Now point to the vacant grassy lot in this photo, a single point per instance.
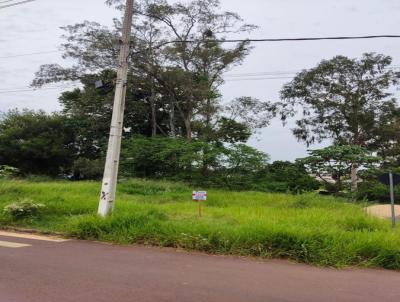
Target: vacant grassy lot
pixel 306 228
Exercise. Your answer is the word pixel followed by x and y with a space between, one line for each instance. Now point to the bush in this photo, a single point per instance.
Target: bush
pixel 85 168
pixel 375 191
pixel 23 209
pixel 211 165
pixel 159 157
pixel 37 142
pixel 283 176
pixel 7 171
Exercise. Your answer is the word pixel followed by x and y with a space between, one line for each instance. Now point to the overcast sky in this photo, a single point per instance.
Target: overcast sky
pixel 34 27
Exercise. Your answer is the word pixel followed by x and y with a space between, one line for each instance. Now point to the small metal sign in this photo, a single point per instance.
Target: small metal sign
pixel 385 179
pixel 199 195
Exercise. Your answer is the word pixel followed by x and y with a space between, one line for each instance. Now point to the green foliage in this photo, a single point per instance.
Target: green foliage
pixel 85 168
pixel 336 161
pixel 235 167
pixel 376 192
pixel 159 157
pixel 23 209
pixel 238 166
pixel 90 110
pixel 176 85
pixel 175 93
pixel 36 142
pixel 342 99
pixel 281 176
pixel 231 131
pixel 244 159
pixel 373 190
pixel 306 228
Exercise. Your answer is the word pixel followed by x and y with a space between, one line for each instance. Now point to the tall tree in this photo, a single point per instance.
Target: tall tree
pixel 172 52
pixel 176 69
pixel 194 57
pixel 343 100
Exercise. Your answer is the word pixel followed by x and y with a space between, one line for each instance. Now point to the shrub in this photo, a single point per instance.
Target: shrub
pixel 23 209
pixel 283 176
pixel 375 191
pixel 85 168
pixel 37 142
pixel 7 171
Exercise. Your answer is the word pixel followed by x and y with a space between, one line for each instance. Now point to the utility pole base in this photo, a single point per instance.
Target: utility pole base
pixel 106 204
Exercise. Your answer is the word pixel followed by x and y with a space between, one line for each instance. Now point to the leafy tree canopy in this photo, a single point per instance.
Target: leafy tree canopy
pixel 337 161
pixel 344 100
pixel 37 142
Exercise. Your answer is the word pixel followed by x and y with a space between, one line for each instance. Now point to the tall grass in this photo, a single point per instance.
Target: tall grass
pixel 306 228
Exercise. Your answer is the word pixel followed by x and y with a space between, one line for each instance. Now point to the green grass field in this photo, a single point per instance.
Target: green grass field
pixel 306 228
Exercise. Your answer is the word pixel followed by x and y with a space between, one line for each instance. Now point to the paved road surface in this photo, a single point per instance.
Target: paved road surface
pixel 36 270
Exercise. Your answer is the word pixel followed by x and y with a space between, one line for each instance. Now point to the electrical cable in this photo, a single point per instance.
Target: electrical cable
pixel 6 1
pixel 245 40
pixel 36 89
pixel 33 88
pixel 29 54
pixel 256 76
pixel 277 73
pixel 14 4
pixel 286 39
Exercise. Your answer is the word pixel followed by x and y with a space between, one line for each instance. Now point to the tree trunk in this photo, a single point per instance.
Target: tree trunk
pixel 172 120
pixel 354 178
pixel 153 112
pixel 188 126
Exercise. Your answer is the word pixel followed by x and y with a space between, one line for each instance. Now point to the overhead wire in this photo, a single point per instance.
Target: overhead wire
pixel 256 76
pixel 34 88
pixel 298 39
pixel 230 77
pixel 29 54
pixel 17 3
pixel 241 40
pixel 282 73
pixel 6 1
pixel 37 89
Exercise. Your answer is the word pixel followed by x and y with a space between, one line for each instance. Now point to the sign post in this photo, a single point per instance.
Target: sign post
pixel 392 199
pixel 199 197
pixel 391 180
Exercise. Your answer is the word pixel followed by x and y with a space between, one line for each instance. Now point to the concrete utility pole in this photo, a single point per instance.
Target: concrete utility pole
pixel 109 185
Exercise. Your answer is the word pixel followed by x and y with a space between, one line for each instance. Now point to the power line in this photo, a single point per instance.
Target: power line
pixel 6 1
pixel 244 40
pixel 36 89
pixel 29 54
pixel 14 4
pixel 293 39
pixel 282 73
pixel 256 76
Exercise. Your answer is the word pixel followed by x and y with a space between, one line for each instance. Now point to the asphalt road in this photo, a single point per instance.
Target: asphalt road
pixel 33 270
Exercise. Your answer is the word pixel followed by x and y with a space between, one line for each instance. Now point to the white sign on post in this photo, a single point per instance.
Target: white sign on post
pixel 199 195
